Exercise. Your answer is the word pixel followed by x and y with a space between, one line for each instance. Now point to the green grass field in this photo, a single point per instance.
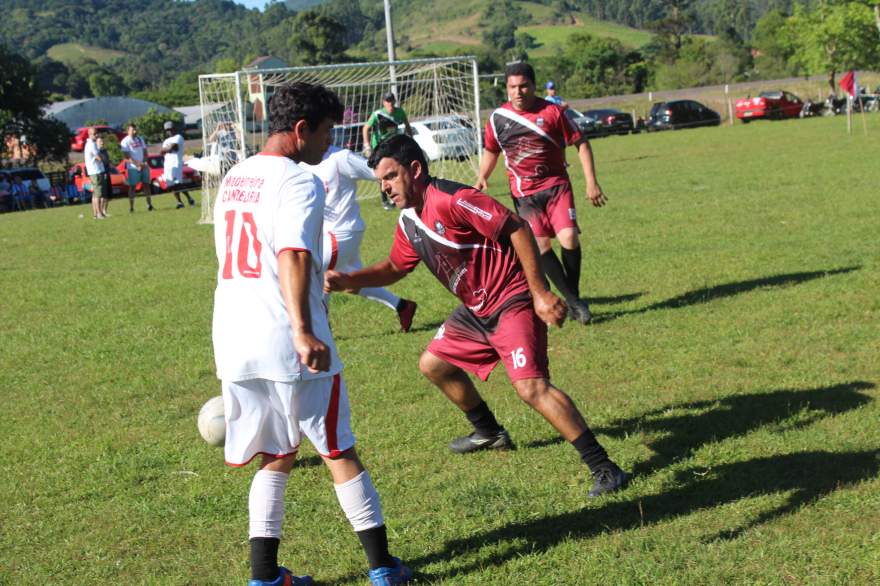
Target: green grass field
pixel 75 53
pixel 733 367
pixel 551 37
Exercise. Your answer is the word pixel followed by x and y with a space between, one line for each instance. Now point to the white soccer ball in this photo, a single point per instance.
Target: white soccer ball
pixel 212 424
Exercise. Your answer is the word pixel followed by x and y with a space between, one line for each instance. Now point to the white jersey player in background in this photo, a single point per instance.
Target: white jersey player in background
pixel 172 170
pixel 339 171
pixel 281 375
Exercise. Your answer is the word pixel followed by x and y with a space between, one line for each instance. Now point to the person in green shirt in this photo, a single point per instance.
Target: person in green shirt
pixel 382 124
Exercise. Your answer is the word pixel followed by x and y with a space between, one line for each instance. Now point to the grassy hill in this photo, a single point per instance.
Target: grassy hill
pixel 72 54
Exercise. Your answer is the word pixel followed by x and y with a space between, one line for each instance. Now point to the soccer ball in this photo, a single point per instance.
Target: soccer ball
pixel 212 424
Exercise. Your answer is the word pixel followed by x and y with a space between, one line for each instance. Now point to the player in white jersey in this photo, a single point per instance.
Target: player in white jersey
pixel 281 375
pixel 344 227
pixel 172 170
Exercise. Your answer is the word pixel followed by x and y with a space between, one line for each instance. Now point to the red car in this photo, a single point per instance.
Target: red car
pixel 78 175
pixel 78 140
pixel 191 178
pixel 769 105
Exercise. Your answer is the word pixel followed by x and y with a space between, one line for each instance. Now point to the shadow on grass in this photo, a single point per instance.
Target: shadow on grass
pixel 430 326
pixel 611 300
pixel 706 294
pixel 805 476
pixel 685 427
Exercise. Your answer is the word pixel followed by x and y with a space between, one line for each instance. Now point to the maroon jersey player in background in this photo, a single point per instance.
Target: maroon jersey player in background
pixel 487 257
pixel 533 133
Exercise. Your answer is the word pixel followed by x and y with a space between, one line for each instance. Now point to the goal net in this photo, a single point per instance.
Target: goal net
pixel 440 97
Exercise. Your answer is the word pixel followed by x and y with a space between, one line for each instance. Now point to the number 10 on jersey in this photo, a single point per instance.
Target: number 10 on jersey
pixel 248 248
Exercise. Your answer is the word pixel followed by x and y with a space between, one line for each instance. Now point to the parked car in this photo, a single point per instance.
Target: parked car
pixel 611 121
pixel 585 124
pixel 28 175
pixel 192 179
pixel 81 179
pixel 769 105
pixel 445 137
pixel 681 114
pixel 348 136
pixel 78 140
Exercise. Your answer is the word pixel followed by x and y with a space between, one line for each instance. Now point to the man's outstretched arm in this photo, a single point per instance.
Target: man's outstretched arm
pixel 377 275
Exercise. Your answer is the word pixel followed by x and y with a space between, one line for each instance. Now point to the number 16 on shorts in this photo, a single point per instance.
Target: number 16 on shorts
pixel 518 358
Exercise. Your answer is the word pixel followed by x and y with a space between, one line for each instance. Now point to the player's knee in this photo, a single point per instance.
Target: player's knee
pixel 531 390
pixel 429 365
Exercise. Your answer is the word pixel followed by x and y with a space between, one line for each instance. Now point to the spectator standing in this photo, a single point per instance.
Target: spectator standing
pixel 553 97
pixel 381 125
pixel 172 148
pixel 108 183
pixel 134 153
pixel 96 172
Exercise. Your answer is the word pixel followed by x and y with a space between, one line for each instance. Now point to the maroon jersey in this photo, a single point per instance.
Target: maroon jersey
pixel 458 237
pixel 533 142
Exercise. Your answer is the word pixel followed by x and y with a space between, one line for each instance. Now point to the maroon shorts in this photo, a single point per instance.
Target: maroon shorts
pixel 549 211
pixel 515 335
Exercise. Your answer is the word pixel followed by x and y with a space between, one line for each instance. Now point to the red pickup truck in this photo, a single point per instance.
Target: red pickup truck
pixel 769 105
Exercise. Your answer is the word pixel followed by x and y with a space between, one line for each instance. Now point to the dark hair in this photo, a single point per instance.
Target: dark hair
pixel 132 125
pixel 520 68
pixel 302 101
pixel 400 147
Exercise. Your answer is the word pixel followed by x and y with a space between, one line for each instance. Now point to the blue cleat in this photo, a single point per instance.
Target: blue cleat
pixel 389 576
pixel 285 578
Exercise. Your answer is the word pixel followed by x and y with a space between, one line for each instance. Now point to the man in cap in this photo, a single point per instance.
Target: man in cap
pixel 172 148
pixel 381 125
pixel 553 97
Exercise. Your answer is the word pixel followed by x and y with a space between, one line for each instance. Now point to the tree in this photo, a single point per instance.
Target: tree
pixel 150 125
pixel 833 38
pixel 21 109
pixel 677 23
pixel 772 47
pixel 316 39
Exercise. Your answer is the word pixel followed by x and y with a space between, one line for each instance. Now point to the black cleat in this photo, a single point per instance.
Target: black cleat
pixel 477 441
pixel 579 311
pixel 607 478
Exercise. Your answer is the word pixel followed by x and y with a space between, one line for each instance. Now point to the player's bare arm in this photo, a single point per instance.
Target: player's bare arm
pixel 487 165
pixel 293 274
pixel 365 131
pixel 550 308
pixel 379 274
pixel 594 190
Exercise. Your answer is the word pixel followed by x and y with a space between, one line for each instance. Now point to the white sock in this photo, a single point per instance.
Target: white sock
pixel 360 501
pixel 266 504
pixel 381 295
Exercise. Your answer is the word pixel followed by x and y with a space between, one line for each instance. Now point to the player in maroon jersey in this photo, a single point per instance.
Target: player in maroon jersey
pixel 487 257
pixel 533 133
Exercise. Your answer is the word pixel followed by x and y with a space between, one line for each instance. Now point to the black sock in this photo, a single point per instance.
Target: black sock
pixel 375 542
pixel 483 420
pixel 571 262
pixel 264 558
pixel 553 269
pixel 593 454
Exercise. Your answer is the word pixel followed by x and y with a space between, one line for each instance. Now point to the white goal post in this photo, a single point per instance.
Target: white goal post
pixel 441 97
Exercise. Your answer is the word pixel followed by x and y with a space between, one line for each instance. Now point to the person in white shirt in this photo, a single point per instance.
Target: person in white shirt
pixel 172 148
pixel 279 370
pixel 134 153
pixel 344 227
pixel 97 174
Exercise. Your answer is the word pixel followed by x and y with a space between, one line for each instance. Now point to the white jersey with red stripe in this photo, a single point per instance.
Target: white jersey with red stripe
pixel 340 171
pixel 265 205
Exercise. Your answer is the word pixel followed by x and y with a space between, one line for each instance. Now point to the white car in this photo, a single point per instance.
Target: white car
pixel 445 137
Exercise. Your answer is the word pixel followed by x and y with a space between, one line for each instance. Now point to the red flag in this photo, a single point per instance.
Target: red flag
pixel 848 83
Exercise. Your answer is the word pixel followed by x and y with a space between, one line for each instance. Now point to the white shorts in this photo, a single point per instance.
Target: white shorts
pixel 270 417
pixel 342 251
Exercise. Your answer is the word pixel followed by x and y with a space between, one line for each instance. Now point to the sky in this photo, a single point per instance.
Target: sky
pixel 252 3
